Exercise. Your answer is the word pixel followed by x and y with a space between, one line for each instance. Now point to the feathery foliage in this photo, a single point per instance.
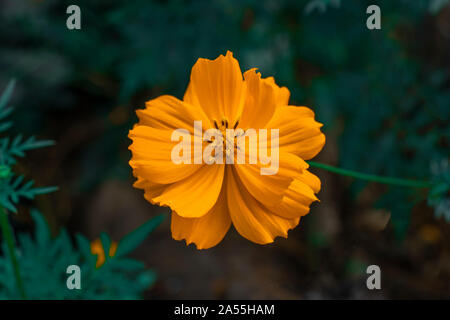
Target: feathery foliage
pixel 12 186
pixel 43 262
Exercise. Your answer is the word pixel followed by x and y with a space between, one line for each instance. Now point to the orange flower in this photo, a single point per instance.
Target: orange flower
pixel 206 198
pixel 97 249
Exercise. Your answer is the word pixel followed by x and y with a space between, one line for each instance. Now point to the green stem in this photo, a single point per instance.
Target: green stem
pixel 372 177
pixel 9 238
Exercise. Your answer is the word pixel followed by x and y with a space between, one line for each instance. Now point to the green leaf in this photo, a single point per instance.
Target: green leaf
pixel 106 244
pixel 32 143
pixel 83 244
pixel 42 230
pixel 44 190
pixel 4 201
pixel 5 171
pixel 5 112
pixel 127 264
pixel 135 238
pixel 5 126
pixel 17 182
pixel 4 99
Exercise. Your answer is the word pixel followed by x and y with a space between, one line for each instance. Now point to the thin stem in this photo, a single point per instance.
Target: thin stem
pixel 372 177
pixel 9 238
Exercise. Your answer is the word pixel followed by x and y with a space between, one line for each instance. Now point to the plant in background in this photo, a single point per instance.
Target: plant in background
pixel 12 186
pixel 36 268
pixel 43 262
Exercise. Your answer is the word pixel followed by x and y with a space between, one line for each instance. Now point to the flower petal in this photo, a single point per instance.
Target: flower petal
pixel 282 93
pixel 151 189
pixel 260 102
pixel 311 180
pixel 263 97
pixel 270 189
pixel 299 132
pixel 167 112
pixel 194 196
pixel 217 86
pixel 151 160
pixel 206 231
pixel 296 201
pixel 251 219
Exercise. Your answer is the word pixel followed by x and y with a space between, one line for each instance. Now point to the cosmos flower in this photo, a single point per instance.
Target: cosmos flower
pixel 205 199
pixel 97 249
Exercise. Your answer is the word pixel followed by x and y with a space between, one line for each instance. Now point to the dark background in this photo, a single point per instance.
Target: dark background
pixel 383 96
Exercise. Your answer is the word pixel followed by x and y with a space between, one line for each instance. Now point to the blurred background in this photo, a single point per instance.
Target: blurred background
pixel 382 95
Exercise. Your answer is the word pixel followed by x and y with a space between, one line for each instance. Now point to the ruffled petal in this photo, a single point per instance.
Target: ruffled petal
pixel 206 231
pixel 251 219
pixel 217 86
pixel 296 201
pixel 311 180
pixel 282 94
pixel 151 189
pixel 263 97
pixel 260 102
pixel 194 196
pixel 299 133
pixel 167 112
pixel 151 156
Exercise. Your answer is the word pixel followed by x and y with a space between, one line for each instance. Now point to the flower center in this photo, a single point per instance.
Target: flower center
pixel 228 141
pixel 224 124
